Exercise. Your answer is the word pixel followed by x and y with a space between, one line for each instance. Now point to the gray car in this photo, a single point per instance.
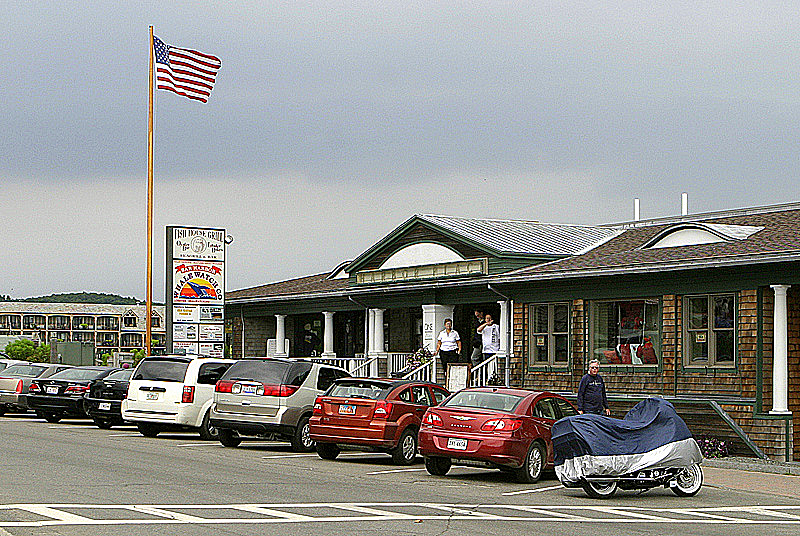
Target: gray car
pixel 270 397
pixel 15 381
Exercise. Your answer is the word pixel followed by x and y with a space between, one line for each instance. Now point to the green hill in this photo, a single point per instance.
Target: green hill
pixel 82 297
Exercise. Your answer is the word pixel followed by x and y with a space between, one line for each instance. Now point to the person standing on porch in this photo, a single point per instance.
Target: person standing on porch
pixel 490 338
pixel 477 342
pixel 592 392
pixel 448 345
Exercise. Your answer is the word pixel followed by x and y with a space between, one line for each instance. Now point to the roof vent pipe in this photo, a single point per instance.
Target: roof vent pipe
pixel 684 204
pixel 636 209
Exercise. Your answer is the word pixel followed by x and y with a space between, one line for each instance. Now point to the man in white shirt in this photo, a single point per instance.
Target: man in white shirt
pixel 490 336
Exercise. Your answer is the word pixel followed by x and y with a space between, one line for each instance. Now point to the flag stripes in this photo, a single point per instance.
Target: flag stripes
pixel 184 71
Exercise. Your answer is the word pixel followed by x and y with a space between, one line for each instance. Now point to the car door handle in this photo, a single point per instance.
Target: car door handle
pixel 245 402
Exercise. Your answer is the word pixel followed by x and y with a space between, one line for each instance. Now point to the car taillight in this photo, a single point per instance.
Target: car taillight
pixel 34 387
pixel 19 387
pixel 224 386
pixel 501 425
pixel 188 394
pixel 432 419
pixel 280 390
pixel 80 389
pixel 382 410
pixel 318 407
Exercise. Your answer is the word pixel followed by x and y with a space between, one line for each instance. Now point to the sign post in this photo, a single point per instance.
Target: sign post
pixel 195 289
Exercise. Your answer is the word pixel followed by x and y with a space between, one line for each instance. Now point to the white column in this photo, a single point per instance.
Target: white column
pixel 780 362
pixel 433 317
pixel 379 331
pixel 371 332
pixel 280 336
pixel 327 336
pixel 505 318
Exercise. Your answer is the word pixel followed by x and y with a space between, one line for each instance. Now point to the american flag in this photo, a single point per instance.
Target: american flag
pixel 186 72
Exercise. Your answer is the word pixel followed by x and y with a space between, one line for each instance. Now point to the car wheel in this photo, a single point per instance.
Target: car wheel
pixel 52 417
pixel 208 432
pixel 688 482
pixel 406 450
pixel 147 429
pixel 301 440
pixel 600 490
pixel 2 410
pixel 328 451
pixel 228 438
pixel 103 424
pixel 531 470
pixel 437 466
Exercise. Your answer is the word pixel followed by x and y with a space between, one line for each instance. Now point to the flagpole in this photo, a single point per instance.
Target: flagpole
pixel 149 319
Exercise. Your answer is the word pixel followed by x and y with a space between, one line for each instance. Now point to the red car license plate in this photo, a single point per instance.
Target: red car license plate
pixel 347 409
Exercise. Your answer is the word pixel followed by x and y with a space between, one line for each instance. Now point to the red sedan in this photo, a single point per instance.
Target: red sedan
pixel 379 414
pixel 493 427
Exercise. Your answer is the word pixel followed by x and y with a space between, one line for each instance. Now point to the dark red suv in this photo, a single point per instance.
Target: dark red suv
pixel 493 426
pixel 380 414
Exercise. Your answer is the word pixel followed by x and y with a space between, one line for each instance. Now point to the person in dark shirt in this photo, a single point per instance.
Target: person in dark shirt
pixel 477 340
pixel 592 392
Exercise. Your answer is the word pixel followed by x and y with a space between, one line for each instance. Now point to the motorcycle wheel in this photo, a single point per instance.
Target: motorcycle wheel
pixel 688 482
pixel 600 490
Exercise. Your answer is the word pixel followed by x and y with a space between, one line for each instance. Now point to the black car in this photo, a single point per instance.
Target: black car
pixel 105 396
pixel 62 394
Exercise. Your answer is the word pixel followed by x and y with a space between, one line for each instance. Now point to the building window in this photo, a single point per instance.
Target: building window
pixel 155 321
pixel 626 332
pixel 129 321
pixel 710 330
pixel 549 334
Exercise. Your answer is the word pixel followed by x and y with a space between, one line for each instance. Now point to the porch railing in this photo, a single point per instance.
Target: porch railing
pixel 356 366
pixel 426 372
pixel 480 375
pixel 398 361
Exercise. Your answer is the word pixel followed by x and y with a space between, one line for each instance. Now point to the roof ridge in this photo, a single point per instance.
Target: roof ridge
pixel 724 213
pixel 537 222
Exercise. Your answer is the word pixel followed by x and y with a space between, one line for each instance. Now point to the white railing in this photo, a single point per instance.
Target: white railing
pixel 480 375
pixel 426 372
pixel 368 368
pixel 398 361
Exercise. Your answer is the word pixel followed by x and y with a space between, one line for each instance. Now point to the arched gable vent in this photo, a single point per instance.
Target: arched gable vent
pixel 693 234
pixel 421 254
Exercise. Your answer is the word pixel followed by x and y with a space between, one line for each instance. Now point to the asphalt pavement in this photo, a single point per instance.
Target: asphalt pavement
pixel 72 478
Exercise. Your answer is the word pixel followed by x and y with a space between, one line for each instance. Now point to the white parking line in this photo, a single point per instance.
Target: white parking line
pixel 395 471
pixel 203 444
pixel 129 434
pixel 535 490
pixel 314 455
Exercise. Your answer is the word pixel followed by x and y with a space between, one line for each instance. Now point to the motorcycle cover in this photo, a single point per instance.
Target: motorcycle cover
pixel 650 436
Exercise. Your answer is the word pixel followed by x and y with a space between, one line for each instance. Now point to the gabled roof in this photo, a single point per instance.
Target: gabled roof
pixel 769 236
pixel 310 284
pixel 502 237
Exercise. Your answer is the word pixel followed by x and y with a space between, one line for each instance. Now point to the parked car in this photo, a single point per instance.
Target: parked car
pixel 61 395
pixel 380 414
pixel 105 396
pixel 173 392
pixel 16 380
pixel 7 362
pixel 269 397
pixel 508 429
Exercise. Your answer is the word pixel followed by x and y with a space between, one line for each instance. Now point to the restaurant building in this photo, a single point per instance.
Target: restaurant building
pixel 702 309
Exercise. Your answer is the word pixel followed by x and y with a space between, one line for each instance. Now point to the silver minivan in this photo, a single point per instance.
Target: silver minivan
pixel 173 391
pixel 270 397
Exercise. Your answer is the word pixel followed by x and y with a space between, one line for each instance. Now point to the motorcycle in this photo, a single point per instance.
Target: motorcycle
pixel 650 447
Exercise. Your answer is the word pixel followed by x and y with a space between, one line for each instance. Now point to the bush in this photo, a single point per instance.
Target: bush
pixel 138 355
pixel 27 350
pixel 711 447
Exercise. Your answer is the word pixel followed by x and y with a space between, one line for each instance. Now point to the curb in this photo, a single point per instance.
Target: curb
pixel 754 465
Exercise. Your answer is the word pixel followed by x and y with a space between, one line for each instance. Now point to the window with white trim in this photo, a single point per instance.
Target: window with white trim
pixel 626 332
pixel 709 330
pixel 549 334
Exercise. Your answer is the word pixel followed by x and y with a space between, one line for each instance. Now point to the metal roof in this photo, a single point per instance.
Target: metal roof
pixel 525 237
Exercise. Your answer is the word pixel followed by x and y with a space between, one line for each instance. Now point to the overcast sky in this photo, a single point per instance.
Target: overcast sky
pixel 333 122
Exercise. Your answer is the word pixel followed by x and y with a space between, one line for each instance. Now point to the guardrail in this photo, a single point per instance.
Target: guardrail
pixel 480 374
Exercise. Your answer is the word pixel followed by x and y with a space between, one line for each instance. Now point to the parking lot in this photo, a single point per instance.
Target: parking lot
pixel 73 478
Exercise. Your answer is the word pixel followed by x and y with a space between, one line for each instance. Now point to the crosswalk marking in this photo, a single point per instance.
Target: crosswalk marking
pixel 201 514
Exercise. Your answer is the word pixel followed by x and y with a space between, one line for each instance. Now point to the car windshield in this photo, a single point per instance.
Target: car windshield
pixel 484 400
pixel 120 375
pixel 78 374
pixel 24 371
pixel 266 371
pixel 359 389
pixel 161 370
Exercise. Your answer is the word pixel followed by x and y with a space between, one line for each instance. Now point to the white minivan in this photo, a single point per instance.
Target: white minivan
pixel 173 392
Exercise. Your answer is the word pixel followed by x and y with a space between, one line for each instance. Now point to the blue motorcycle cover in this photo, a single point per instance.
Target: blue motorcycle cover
pixel 650 436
